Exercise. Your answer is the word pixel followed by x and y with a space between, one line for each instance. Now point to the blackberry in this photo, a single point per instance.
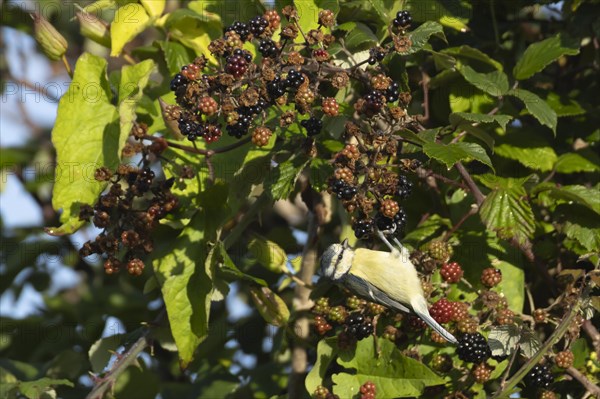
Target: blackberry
pixel 473 348
pixel 392 93
pixel 363 228
pixel 373 101
pixel 343 190
pixel 404 187
pixel 368 390
pixel 393 225
pixel 275 88
pixel 564 359
pixel 357 326
pixel 257 25
pixel 482 372
pixel 376 54
pixel 178 81
pixel 403 19
pixel 451 272
pixel 237 64
pixel 490 277
pixel 330 106
pixel 442 311
pixel 312 125
pixel 540 376
pixel 240 28
pixel 189 128
pixel 294 79
pixel 267 48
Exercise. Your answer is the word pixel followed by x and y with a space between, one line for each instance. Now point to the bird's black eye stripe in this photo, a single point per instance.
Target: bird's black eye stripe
pixel 339 259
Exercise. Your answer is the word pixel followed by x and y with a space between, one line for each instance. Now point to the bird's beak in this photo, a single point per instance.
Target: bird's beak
pixel 345 244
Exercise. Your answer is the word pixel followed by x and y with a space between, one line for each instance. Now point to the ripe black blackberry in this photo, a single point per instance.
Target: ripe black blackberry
pixel 179 81
pixel 343 190
pixel 403 19
pixel 358 327
pixel 190 129
pixel 391 226
pixel 392 93
pixel 236 65
pixel 240 28
pixel 257 25
pixel 294 79
pixel 540 376
pixel 363 228
pixel 267 48
pixel 473 348
pixel 373 101
pixel 312 125
pixel 240 128
pixel 276 88
pixel 376 54
pixel 404 187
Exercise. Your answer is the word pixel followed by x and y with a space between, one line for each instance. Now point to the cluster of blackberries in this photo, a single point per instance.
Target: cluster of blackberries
pixel 276 88
pixel 376 54
pixel 363 228
pixel 245 117
pixel 404 187
pixel 294 79
pixel 237 63
pixel 312 125
pixel 179 84
pixel 257 25
pixel 473 348
pixel 343 190
pixel 373 102
pixel 358 327
pixel 240 28
pixel 393 226
pixel 392 93
pixel 267 48
pixel 190 129
pixel 540 376
pixel 402 20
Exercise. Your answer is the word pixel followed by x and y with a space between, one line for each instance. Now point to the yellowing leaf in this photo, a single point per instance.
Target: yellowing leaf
pixel 130 20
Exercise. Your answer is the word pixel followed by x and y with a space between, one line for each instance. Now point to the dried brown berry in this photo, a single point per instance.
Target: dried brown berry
pixel 380 82
pixel 340 80
pixel 295 58
pixel 540 315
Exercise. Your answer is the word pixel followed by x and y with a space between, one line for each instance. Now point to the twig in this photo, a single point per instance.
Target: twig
pixel 593 333
pixel 510 364
pixel 425 86
pixel 302 301
pixel 587 384
pixel 67 66
pixel 474 209
pixel 479 197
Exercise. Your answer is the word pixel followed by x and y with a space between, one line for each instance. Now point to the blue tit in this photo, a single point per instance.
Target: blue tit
pixel 388 278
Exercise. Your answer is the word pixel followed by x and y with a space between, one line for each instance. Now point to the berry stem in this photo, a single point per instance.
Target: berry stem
pixel 587 384
pixel 67 66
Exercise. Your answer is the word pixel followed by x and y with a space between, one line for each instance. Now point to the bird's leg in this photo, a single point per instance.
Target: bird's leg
pixel 377 347
pixel 381 236
pixel 401 247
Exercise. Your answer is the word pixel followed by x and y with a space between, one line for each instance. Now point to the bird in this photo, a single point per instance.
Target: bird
pixel 388 278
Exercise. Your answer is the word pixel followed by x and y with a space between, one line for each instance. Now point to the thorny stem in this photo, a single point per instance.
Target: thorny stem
pixel 479 197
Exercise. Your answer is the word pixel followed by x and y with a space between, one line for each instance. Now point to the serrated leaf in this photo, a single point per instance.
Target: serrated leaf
pixel 380 8
pixel 512 284
pixel 101 351
pixel 130 20
pixel 479 133
pixel 282 178
pixel 36 389
pixel 427 229
pixel 176 55
pixel 420 36
pixel 527 149
pixel 78 155
pixel 457 117
pixel 507 211
pixel 538 55
pixel 326 350
pixel 184 267
pixel 536 107
pixel 564 106
pixel 529 343
pixel 228 267
pixel 193 30
pixel 308 13
pixel 472 56
pixel 395 375
pixel 360 37
pixel 587 236
pixel 451 13
pixel 270 306
pixel 494 83
pixel 449 154
pixel 576 162
pixel 503 340
pixel 588 197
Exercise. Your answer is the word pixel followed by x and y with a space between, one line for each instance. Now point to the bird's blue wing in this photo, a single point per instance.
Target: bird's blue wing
pixel 363 288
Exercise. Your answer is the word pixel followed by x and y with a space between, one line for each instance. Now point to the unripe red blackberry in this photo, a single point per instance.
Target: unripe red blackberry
pixel 441 363
pixel 389 208
pixel 539 315
pixel 208 106
pixel 135 267
pixel 440 250
pixel 111 266
pixel 491 277
pixel 564 359
pixel 437 338
pixel 442 311
pixel 368 390
pixel 505 317
pixel 326 18
pixel 482 372
pixel 261 136
pixel 350 152
pixel 330 106
pixel 273 19
pixel 344 174
pixel 415 323
pixel 320 55
pixel 321 392
pixel 473 348
pixel 451 272
pixel 321 325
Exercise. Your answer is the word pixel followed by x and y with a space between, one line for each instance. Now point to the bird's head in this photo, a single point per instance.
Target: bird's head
pixel 337 260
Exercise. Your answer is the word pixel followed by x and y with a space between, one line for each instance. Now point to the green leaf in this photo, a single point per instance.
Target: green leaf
pixel 506 209
pixel 154 8
pixel 421 35
pixel 130 20
pixel 512 284
pixel 282 178
pixel 268 254
pixel 580 161
pixel 528 149
pixel 176 55
pixel 449 154
pixel 588 197
pixel 360 37
pixel 536 107
pixel 184 267
pixel 451 13
pixel 380 8
pixel 100 351
pixel 457 117
pixel 564 106
pixel 503 340
pixel 228 267
pixel 326 351
pixel 35 389
pixel 394 374
pixel 538 55
pixel 494 83
pixel 587 236
pixel 472 56
pixel 193 30
pixel 308 12
pixel 86 103
pixel 427 229
pixel 270 306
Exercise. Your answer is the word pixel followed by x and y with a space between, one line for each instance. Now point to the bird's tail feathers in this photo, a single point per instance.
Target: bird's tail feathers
pixel 420 308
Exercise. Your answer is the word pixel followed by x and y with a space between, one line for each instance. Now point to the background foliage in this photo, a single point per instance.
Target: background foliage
pixel 507 93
